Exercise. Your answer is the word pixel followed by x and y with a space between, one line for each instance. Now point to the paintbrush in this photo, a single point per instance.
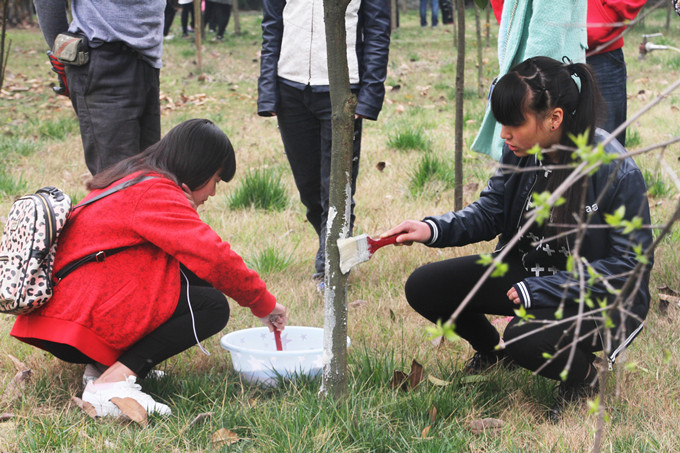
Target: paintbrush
pixel 358 249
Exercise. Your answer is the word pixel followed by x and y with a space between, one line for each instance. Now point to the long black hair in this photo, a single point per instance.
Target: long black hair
pixel 539 85
pixel 189 154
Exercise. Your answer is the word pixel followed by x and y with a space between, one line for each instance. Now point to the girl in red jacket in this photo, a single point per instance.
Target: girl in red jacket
pixel 165 291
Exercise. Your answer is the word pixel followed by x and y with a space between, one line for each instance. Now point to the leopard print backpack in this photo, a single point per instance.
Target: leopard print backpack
pixel 29 243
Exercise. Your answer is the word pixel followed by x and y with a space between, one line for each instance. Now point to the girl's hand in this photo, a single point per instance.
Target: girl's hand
pixel 409 232
pixel 277 319
pixel 513 296
pixel 189 195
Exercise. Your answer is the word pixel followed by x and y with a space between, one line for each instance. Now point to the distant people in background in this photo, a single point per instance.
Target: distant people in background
pixel 606 22
pixel 434 5
pixel 116 92
pixel 447 11
pixel 170 10
pixel 217 14
pixel 187 12
pixel 294 87
pixel 530 28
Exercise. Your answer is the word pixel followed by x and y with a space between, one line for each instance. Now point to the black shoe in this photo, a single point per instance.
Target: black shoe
pixel 571 393
pixel 482 361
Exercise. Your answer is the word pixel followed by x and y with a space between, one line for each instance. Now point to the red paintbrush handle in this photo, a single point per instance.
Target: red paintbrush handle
pixel 277 338
pixel 375 244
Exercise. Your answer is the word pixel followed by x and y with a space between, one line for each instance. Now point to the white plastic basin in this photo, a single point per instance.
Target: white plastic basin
pixel 254 355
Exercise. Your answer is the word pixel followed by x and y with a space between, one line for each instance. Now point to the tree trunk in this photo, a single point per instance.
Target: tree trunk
pixel 343 105
pixel 237 21
pixel 487 25
pixel 4 52
pixel 393 14
pixel 199 32
pixel 460 86
pixel 480 63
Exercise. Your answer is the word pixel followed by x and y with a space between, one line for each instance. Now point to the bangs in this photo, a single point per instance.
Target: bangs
pixel 508 100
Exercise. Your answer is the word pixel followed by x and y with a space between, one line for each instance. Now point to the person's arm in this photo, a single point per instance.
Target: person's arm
pixel 621 259
pixel 272 34
pixel 52 18
pixel 624 9
pixel 164 217
pixel 374 23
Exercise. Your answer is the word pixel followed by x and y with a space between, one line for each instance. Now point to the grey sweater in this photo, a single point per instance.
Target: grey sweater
pixel 139 24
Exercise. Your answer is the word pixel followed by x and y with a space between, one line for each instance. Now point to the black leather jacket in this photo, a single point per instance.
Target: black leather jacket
pixel 498 212
pixel 372 47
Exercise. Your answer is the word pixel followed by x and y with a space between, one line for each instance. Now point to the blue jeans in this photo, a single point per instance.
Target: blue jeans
pixel 304 118
pixel 423 12
pixel 610 74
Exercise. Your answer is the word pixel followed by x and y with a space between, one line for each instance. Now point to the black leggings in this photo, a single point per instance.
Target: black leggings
pixel 435 290
pixel 211 313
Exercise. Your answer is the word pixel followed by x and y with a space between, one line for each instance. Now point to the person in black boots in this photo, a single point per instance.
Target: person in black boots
pixel 572 291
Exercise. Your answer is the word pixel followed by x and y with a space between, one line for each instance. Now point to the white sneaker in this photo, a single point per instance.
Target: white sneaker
pixel 100 398
pixel 91 374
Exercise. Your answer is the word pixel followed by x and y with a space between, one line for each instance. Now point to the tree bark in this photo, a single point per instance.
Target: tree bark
pixel 480 62
pixel 237 21
pixel 199 32
pixel 393 13
pixel 343 105
pixel 487 25
pixel 460 86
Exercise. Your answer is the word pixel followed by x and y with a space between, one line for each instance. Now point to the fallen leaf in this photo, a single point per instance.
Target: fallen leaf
pixel 200 418
pixel 393 317
pixel 395 87
pixel 18 364
pixel 492 425
pixel 399 380
pixel 415 377
pixel 400 108
pixel 223 437
pixel 380 166
pixel 473 379
pixel 436 381
pixel 358 303
pixel 425 432
pixel 85 406
pixel 131 408
pixel 433 414
pixel 6 416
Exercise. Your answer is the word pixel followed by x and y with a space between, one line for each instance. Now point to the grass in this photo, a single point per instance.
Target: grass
pixel 40 145
pixel 260 189
pixel 409 139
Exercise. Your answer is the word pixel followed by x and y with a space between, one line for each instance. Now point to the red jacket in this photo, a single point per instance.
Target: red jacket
pixel 603 12
pixel 104 308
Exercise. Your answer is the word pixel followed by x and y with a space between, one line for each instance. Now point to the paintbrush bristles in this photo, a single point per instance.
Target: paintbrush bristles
pixel 353 251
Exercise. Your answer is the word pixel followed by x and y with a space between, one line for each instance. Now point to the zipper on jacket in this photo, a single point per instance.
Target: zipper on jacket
pixel 51 224
pixel 311 40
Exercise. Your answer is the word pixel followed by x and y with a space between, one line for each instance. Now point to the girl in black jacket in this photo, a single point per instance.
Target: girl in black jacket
pixel 584 289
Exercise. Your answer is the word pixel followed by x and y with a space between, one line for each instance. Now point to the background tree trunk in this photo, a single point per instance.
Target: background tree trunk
pixel 393 13
pixel 199 33
pixel 487 25
pixel 460 86
pixel 480 62
pixel 237 21
pixel 343 105
pixel 4 52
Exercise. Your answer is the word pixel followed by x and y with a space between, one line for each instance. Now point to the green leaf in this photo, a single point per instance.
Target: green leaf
pixel 564 374
pixel 559 314
pixel 536 151
pixel 521 312
pixel 501 270
pixel 616 218
pixel 485 259
pixel 482 3
pixel 593 405
pixel 547 356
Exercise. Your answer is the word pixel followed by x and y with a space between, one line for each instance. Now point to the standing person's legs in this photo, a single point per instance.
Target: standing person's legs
pixel 423 13
pixel 187 8
pixel 300 132
pixel 169 17
pixel 437 289
pixel 610 74
pixel 116 98
pixel 223 12
pixel 435 12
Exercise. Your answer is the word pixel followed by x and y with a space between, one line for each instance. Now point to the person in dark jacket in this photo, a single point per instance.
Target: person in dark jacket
pixel 294 87
pixel 565 278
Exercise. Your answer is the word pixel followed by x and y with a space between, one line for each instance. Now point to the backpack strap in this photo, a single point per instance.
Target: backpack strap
pixel 102 254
